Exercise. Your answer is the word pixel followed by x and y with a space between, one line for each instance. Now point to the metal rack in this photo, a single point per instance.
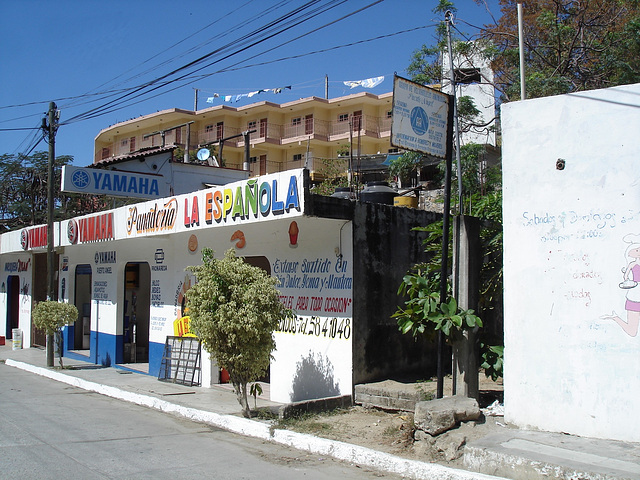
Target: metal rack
pixel 181 361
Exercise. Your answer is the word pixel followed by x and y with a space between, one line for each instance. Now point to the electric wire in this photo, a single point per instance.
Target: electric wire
pixel 310 83
pixel 270 29
pixel 192 49
pixel 185 77
pixel 110 94
pixel 104 107
pixel 307 84
pixel 237 66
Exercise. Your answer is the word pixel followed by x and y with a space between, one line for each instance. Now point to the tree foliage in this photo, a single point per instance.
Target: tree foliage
pixel 23 188
pixel 426 62
pixel 423 312
pixel 50 316
pixel 405 166
pixel 570 46
pixel 332 174
pixel 234 309
pixel 23 192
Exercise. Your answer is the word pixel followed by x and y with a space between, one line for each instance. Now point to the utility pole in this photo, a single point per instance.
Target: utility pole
pixel 52 295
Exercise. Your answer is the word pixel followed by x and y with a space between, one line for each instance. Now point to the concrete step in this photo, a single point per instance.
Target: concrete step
pixel 391 395
pixel 532 455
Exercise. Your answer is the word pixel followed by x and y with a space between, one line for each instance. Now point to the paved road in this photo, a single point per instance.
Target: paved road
pixel 49 430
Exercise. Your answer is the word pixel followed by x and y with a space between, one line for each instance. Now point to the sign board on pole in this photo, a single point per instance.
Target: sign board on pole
pixel 419 120
pixel 113 182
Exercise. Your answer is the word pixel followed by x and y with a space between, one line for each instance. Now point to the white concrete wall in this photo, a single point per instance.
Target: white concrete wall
pixel 483 93
pixel 569 364
pixel 314 352
pixel 21 266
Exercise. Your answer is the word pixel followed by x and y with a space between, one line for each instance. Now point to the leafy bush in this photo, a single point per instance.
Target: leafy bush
pixel 51 316
pixel 492 360
pixel 234 309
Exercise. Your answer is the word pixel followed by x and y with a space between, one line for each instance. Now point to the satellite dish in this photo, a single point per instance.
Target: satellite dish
pixel 203 154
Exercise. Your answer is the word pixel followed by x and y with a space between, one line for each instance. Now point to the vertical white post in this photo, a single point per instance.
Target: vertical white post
pixel 523 90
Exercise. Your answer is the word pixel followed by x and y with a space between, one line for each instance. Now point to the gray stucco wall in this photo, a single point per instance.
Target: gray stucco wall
pixel 385 248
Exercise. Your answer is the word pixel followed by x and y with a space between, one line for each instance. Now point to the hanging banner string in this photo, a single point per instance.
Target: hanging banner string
pixel 236 98
pixel 365 83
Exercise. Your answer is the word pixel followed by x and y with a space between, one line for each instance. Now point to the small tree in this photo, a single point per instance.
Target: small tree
pixel 51 316
pixel 234 309
pixel 405 166
pixel 332 172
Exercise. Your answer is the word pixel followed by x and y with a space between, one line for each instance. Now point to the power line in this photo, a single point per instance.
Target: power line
pixel 125 96
pixel 186 78
pixel 104 108
pixel 221 35
pixel 229 69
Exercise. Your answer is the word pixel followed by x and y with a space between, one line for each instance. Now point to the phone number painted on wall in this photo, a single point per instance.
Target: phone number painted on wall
pixel 316 326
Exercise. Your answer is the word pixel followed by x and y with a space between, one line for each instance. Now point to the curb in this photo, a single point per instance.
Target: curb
pixel 339 450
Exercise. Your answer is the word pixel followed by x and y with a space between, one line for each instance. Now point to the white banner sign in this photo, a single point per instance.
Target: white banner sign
pixel 113 182
pixel 419 120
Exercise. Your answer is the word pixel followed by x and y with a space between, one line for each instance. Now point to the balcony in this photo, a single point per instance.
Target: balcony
pixel 266 132
pixel 309 128
pixel 367 125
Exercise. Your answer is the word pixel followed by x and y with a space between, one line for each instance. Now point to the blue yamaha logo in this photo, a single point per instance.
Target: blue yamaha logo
pixel 419 121
pixel 80 179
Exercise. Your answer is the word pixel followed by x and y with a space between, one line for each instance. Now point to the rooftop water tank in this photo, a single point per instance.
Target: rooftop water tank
pixel 378 192
pixel 344 192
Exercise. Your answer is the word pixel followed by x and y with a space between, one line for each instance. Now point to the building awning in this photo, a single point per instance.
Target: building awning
pixel 390 158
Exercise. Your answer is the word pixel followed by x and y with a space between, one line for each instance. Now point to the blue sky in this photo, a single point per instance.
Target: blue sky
pixel 83 54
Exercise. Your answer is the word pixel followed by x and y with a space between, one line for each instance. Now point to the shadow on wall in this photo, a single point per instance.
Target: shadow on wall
pixel 314 379
pixel 106 362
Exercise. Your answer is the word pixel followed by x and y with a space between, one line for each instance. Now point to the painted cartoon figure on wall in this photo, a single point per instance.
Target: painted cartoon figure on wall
pixel 181 324
pixel 630 280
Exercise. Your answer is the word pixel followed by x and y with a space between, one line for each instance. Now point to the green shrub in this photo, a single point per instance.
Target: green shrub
pixel 234 309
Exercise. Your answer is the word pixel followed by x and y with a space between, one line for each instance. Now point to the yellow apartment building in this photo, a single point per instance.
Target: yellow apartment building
pixel 301 133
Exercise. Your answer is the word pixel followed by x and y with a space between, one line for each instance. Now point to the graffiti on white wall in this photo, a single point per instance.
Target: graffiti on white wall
pixel 629 283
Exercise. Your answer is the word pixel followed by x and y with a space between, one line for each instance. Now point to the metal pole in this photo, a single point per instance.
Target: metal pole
pixel 456 253
pixel 523 89
pixel 187 146
pixel 195 102
pixel 247 147
pixel 444 267
pixel 247 150
pixel 326 86
pixel 449 20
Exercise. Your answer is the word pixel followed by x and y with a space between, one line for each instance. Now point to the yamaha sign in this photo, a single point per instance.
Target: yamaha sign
pixel 113 182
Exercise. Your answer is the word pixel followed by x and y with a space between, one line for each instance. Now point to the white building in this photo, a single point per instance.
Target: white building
pixel 339 264
pixel 571 249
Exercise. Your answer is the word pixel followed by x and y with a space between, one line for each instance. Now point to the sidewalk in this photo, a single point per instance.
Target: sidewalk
pixel 514 454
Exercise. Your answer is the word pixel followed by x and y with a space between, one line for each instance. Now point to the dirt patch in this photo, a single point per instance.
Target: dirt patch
pixel 394 432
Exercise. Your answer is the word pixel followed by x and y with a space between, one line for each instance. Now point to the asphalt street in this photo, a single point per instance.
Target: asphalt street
pixel 51 430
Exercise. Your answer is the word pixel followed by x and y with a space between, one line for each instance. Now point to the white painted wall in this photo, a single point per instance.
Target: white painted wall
pixel 483 93
pixel 20 265
pixel 314 352
pixel 569 365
